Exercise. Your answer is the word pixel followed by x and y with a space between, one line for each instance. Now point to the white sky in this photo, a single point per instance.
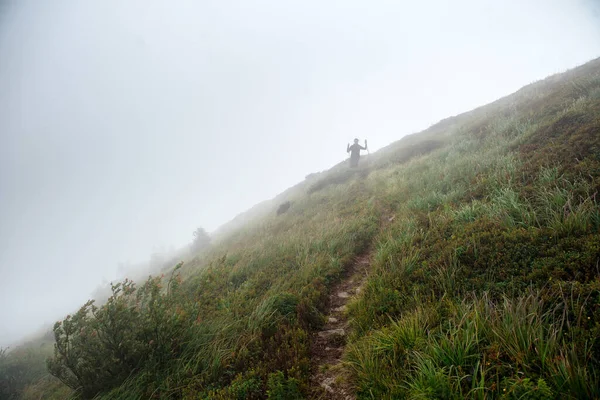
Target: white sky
pixel 124 125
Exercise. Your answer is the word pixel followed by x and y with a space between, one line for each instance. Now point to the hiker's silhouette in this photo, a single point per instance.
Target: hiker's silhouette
pixel 354 151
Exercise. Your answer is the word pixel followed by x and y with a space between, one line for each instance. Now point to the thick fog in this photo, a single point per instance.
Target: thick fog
pixel 125 125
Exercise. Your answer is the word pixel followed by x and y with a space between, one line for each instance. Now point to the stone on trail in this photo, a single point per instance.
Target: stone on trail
pixel 332 332
pixel 326 384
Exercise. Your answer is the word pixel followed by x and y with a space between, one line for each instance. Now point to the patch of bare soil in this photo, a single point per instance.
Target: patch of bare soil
pixel 328 344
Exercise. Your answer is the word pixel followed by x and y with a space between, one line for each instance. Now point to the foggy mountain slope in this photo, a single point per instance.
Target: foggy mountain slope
pixel 140 121
pixel 535 95
pixel 484 236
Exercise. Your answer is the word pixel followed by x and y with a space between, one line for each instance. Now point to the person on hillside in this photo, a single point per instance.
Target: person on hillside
pixel 354 151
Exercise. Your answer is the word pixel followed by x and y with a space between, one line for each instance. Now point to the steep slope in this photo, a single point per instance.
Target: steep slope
pixel 483 280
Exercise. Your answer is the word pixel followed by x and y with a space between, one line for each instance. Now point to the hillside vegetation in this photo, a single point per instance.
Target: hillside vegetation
pixel 484 236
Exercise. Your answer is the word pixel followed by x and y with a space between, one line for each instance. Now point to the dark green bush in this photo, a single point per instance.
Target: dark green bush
pixel 282 388
pixel 98 348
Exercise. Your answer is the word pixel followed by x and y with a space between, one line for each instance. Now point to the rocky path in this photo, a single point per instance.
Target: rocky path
pixel 328 345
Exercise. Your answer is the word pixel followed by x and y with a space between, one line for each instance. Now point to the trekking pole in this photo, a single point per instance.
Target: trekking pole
pixel 348 151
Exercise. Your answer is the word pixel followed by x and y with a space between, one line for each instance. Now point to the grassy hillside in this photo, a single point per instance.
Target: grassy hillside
pixel 484 236
pixel 487 284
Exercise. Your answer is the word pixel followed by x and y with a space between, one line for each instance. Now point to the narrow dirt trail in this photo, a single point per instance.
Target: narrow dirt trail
pixel 328 344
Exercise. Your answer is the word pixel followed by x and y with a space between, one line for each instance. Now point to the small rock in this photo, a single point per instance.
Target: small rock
pixel 333 320
pixel 326 384
pixel 331 332
pixel 340 309
pixel 283 207
pixel 343 295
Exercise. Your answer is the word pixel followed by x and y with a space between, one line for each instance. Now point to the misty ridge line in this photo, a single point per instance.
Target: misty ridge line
pixel 163 260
